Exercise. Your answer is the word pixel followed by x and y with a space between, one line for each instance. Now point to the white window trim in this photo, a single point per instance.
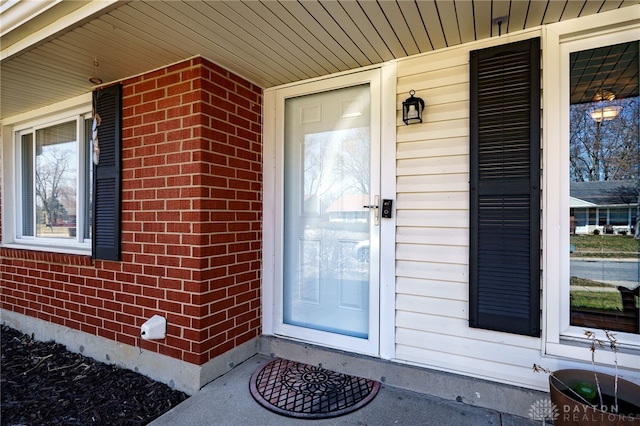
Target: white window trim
pixel 559 338
pixel 73 109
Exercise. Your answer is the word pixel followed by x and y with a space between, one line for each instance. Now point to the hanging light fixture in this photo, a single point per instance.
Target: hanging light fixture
pixel 95 80
pixel 604 112
pixel 601 114
pixel 412 109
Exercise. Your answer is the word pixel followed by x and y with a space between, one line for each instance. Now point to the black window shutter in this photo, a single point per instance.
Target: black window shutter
pixel 107 104
pixel 504 263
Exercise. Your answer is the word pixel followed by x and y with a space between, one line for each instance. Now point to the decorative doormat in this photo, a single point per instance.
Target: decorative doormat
pixel 304 391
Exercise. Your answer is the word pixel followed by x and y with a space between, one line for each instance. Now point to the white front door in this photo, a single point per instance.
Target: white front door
pixel 327 266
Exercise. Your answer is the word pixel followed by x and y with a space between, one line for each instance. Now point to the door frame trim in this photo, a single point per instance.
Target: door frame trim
pixel 272 229
pixel 390 105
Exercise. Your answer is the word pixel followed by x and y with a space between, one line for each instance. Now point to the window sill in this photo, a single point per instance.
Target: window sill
pixel 70 248
pixel 574 346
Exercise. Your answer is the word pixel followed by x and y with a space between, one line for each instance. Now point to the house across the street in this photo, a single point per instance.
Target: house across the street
pixel 608 206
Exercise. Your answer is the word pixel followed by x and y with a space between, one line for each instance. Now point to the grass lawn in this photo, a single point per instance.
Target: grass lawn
pixel 619 246
pixel 607 300
pixel 594 295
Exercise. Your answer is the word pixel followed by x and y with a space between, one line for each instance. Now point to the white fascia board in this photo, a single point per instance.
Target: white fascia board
pixel 14 13
pixel 60 26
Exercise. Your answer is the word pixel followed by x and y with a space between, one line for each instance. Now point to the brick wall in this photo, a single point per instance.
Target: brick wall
pixel 191 215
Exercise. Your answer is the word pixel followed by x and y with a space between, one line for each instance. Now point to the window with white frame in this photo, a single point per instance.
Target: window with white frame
pixel 52 183
pixel 591 156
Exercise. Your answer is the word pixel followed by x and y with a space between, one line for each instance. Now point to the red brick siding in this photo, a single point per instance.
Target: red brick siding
pixel 191 214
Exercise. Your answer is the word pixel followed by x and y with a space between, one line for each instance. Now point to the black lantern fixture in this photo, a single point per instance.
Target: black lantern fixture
pixel 412 109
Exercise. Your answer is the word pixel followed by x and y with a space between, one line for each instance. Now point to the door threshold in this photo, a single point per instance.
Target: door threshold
pixel 441 384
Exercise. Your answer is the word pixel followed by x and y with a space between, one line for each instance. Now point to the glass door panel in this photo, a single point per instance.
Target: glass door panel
pixel 327 226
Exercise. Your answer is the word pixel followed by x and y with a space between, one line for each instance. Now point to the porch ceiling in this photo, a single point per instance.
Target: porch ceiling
pixel 51 55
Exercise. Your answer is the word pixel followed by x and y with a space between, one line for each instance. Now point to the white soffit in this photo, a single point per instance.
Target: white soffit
pixel 51 56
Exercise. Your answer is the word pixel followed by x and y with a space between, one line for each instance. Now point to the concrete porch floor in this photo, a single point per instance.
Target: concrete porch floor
pixel 228 401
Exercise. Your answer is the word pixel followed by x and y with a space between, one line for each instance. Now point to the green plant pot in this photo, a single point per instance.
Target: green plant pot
pixel 576 412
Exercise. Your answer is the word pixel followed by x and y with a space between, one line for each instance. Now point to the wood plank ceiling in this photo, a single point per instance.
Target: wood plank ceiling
pixel 268 42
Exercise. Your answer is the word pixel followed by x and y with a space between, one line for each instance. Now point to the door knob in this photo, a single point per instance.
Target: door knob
pixel 375 208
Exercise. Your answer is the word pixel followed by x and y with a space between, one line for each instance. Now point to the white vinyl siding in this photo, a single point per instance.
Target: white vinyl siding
pixel 432 235
pixel 424 303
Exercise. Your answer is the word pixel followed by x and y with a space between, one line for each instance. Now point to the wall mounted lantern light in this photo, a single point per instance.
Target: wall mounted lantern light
pixel 412 109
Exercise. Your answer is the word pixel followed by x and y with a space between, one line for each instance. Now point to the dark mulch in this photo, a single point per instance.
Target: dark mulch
pixel 44 384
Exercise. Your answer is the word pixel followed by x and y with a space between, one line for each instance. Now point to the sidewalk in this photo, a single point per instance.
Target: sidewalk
pixel 228 401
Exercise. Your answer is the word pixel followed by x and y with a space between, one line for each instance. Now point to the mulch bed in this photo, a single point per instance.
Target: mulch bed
pixel 44 384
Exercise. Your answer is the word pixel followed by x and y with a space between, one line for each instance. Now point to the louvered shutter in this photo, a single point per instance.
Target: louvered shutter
pixel 106 175
pixel 504 264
